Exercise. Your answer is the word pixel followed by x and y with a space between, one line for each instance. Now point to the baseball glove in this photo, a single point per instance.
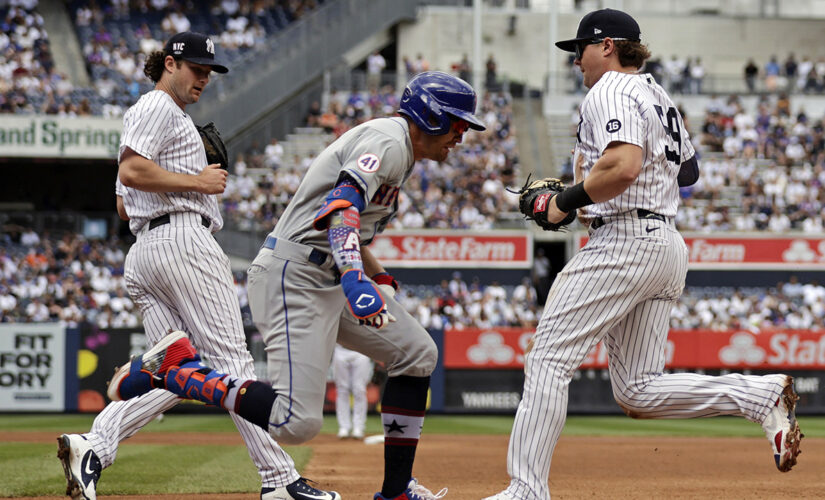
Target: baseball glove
pixel 533 200
pixel 212 143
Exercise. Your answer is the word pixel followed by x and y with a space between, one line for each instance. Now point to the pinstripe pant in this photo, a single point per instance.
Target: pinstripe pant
pixel 619 288
pixel 181 279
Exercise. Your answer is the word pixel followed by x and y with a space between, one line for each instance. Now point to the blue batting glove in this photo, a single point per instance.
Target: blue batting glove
pixel 363 297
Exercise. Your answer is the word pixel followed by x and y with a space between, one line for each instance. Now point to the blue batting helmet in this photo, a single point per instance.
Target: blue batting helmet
pixel 432 99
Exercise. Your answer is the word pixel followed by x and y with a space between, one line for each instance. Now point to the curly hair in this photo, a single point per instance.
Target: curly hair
pixel 155 64
pixel 632 53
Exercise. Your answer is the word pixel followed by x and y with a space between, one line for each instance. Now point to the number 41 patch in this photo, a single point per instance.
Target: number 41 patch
pixel 368 162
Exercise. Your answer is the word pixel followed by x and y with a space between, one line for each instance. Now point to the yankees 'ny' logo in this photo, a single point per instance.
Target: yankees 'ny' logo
pixel 210 47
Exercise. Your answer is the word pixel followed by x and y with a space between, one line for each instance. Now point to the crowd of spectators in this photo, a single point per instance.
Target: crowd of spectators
pixel 686 75
pixel 677 75
pixel 70 279
pixel 761 171
pixel 115 38
pixel 792 305
pixel 467 191
pixel 66 279
pixel 791 75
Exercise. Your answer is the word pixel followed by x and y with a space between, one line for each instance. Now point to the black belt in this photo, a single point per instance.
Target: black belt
pixel 164 219
pixel 641 213
pixel 316 256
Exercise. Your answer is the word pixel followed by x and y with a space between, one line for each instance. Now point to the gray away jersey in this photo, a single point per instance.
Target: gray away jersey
pixel 633 108
pixel 158 129
pixel 377 155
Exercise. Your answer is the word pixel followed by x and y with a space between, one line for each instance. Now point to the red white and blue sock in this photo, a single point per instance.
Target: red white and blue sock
pixel 402 414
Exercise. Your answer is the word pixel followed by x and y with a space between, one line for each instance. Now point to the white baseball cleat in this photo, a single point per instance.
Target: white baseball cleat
pixel 782 428
pixel 81 466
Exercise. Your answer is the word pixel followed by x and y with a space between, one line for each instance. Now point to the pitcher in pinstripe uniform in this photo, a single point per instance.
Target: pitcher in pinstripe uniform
pixel 176 271
pixel 632 153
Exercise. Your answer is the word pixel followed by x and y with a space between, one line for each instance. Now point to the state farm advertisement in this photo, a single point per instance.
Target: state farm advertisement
pixel 752 252
pixel 491 249
pixel 733 349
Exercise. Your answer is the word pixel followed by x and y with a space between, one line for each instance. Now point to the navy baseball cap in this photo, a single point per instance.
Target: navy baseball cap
pixel 196 48
pixel 604 23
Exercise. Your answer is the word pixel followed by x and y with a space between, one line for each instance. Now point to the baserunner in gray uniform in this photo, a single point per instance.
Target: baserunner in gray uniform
pixel 314 282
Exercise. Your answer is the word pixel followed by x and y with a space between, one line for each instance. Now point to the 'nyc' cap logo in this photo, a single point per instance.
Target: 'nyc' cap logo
pixel 196 48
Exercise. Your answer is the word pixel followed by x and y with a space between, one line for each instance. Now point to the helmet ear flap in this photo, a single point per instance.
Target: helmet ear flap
pixel 437 119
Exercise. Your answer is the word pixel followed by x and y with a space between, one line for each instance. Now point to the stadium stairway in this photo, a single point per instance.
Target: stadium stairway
pixel 305 142
pixel 533 147
pixel 560 139
pixel 66 50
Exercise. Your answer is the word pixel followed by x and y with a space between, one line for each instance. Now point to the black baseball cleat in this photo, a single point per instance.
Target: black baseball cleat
pixel 81 466
pixel 298 490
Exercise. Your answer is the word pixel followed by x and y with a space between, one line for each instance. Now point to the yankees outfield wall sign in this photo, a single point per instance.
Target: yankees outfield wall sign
pixel 752 252
pixel 32 367
pixel 424 249
pixel 484 368
pixel 777 349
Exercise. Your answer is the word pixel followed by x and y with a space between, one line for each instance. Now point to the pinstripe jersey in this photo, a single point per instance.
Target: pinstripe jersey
pixel 158 129
pixel 181 279
pixel 620 289
pixel 633 108
pixel 377 155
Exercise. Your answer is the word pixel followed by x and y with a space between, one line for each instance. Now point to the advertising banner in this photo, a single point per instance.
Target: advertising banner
pixel 751 251
pixel 503 348
pixel 457 249
pixel 499 391
pixel 100 353
pixel 32 367
pixel 49 136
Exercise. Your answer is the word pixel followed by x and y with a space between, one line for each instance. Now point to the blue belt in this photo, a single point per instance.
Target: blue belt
pixel 316 256
pixel 641 213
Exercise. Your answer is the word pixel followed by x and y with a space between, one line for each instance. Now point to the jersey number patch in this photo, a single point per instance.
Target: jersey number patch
pixel 670 120
pixel 613 126
pixel 368 163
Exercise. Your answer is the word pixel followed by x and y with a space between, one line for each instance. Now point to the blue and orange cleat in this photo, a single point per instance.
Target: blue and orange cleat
pixel 147 371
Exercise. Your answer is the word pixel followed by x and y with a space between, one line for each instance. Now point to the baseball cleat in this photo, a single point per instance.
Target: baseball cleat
pixel 343 434
pixel 146 372
pixel 80 465
pixel 782 428
pixel 414 491
pixel 299 490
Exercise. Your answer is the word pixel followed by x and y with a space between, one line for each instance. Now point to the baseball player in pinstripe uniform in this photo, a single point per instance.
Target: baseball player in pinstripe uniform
pixel 632 153
pixel 314 282
pixel 176 271
pixel 351 371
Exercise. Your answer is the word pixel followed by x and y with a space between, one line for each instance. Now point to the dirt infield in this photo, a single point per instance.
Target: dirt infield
pixel 583 467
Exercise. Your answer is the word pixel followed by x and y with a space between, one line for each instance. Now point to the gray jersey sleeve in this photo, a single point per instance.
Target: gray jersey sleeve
pixel 376 161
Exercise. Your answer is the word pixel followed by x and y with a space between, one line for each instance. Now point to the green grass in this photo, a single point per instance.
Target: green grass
pixel 31 469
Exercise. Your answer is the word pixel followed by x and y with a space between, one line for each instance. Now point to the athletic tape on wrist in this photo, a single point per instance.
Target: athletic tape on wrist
pixel 572 198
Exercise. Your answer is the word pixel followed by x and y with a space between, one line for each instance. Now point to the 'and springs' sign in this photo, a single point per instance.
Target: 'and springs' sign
pixel 57 137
